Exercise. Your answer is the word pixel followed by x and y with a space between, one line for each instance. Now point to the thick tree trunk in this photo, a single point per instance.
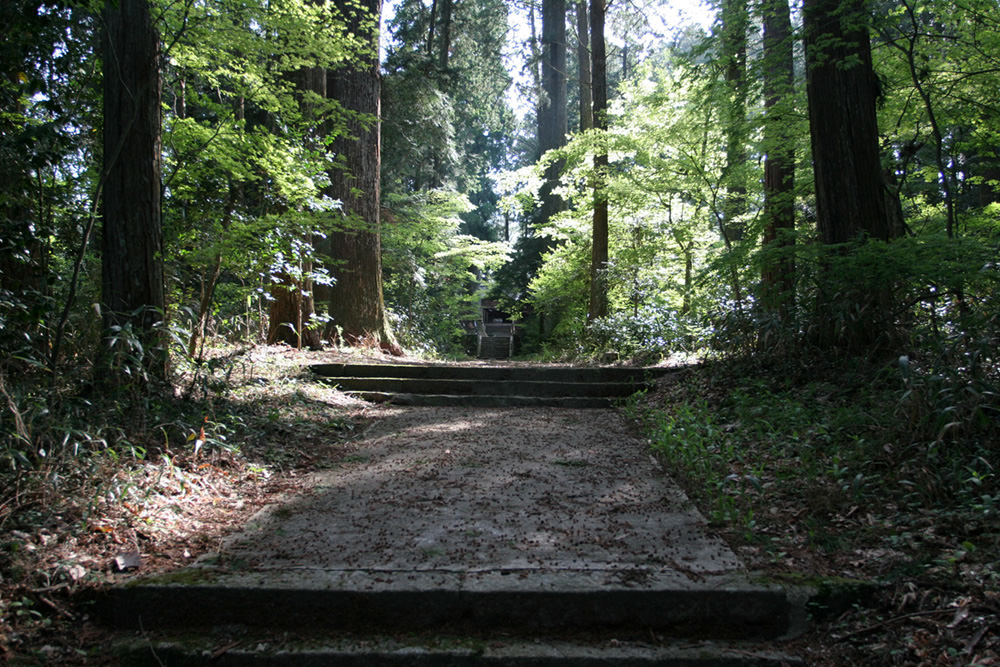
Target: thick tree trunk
pixel 552 113
pixel 778 276
pixel 292 304
pixel 583 65
pixel 536 59
pixel 599 251
pixel 355 301
pixel 132 237
pixel 854 308
pixel 553 120
pixel 842 91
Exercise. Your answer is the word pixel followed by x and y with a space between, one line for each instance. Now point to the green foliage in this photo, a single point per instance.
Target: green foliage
pixel 937 62
pixel 245 155
pixel 664 185
pixel 48 104
pixel 434 276
pixel 925 293
pixel 444 126
pixel 749 438
pixel 646 336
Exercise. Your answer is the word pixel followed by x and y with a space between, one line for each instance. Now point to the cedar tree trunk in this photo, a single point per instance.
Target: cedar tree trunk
pixel 355 300
pixel 778 275
pixel 583 64
pixel 842 91
pixel 599 252
pixel 132 238
pixel 552 113
pixel 854 308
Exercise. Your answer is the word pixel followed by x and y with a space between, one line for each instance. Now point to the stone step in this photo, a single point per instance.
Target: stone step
pixel 470 387
pixel 602 603
pixel 494 347
pixel 486 401
pixel 489 386
pixel 442 652
pixel 493 373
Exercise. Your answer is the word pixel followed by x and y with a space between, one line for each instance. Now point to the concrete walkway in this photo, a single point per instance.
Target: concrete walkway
pixel 526 521
pixel 472 490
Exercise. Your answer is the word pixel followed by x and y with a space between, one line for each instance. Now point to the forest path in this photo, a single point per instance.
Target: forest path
pixel 502 490
pixel 478 521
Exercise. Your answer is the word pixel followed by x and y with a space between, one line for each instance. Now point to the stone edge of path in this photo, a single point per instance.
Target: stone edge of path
pixel 727 606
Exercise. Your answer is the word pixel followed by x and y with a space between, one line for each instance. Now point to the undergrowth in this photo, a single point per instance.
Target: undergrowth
pixel 89 476
pixel 849 468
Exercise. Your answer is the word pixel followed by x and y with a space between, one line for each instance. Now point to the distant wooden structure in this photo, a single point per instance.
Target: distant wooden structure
pixel 495 331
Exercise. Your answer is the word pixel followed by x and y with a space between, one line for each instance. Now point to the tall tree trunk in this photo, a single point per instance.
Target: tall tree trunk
pixel 778 276
pixel 553 120
pixel 583 65
pixel 552 115
pixel 599 251
pixel 355 300
pixel 735 21
pixel 432 26
pixel 842 91
pixel 536 69
pixel 850 195
pixel 132 237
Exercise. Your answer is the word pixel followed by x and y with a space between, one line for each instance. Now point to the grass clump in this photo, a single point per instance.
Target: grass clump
pixel 833 470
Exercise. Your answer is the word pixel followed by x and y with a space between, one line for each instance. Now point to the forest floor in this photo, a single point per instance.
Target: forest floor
pixel 805 473
pixel 907 586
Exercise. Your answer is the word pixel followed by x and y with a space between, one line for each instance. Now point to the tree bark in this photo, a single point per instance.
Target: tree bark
pixel 842 91
pixel 598 306
pixel 553 121
pixel 854 309
pixel 536 61
pixel 552 113
pixel 132 237
pixel 583 65
pixel 355 300
pixel 778 276
pixel 289 314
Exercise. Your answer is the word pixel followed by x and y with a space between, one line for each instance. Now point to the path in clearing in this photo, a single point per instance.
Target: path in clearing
pixel 526 521
pixel 492 490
